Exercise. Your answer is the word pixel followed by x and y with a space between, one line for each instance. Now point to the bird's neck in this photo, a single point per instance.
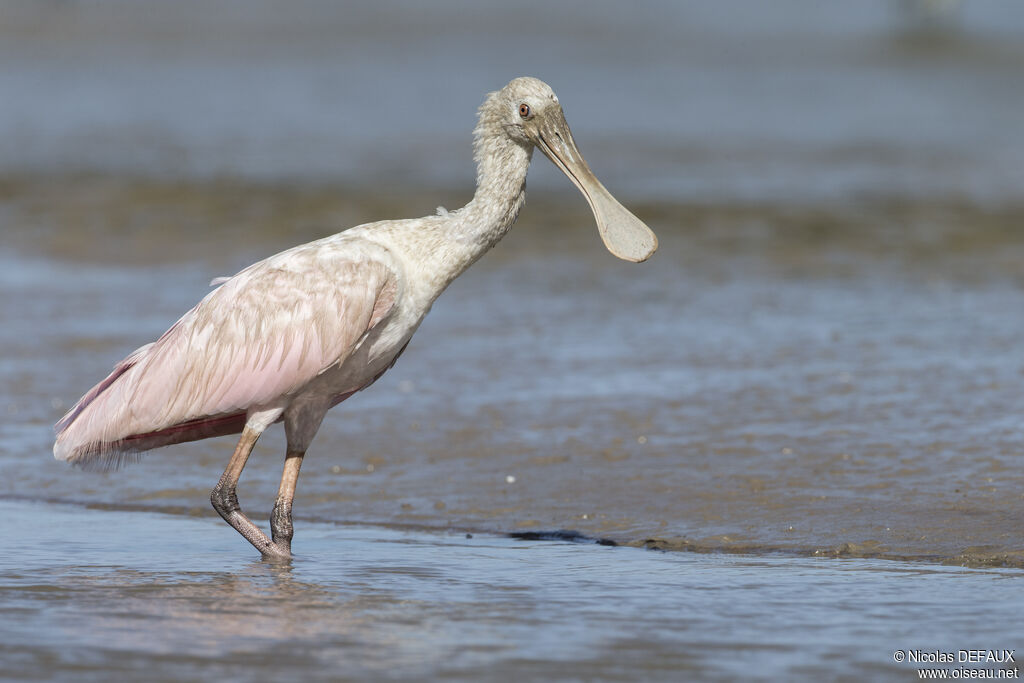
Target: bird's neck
pixel 439 248
pixel 500 190
pixel 461 237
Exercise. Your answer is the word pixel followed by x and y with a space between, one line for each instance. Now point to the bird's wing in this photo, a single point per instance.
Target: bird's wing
pixel 267 332
pixel 262 335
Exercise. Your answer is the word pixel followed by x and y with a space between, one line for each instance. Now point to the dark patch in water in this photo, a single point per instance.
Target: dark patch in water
pixel 560 535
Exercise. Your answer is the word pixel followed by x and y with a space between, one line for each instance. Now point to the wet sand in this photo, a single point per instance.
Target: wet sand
pixel 812 380
pixel 821 367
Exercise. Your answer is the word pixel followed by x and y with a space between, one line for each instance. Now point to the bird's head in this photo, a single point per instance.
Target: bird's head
pixel 529 113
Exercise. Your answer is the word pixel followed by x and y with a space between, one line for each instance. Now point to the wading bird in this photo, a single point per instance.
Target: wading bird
pixel 290 337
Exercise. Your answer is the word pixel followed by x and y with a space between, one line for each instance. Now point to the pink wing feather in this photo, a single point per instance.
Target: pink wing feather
pixel 262 335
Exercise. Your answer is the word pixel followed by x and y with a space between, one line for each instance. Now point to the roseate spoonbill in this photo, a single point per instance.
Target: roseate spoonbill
pixel 290 337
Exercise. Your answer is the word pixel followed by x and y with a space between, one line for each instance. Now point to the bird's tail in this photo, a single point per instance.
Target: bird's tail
pixel 102 430
pixel 88 434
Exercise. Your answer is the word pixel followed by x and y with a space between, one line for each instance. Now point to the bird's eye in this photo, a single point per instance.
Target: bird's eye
pixel 524 110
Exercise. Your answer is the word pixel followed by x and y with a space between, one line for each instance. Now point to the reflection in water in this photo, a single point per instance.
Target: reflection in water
pixel 823 359
pixel 376 602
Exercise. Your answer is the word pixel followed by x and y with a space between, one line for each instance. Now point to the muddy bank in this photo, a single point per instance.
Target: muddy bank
pixel 838 379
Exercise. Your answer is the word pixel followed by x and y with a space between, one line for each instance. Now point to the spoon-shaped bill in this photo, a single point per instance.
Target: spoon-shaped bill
pixel 625 235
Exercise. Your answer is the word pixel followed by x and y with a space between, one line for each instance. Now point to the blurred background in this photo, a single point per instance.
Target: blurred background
pixel 822 360
pixel 672 100
pixel 823 354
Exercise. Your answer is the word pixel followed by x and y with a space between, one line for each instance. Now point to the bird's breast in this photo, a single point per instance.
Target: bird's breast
pixel 374 354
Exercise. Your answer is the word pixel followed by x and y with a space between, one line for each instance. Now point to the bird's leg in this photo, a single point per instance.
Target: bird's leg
pixel 281 517
pixel 225 500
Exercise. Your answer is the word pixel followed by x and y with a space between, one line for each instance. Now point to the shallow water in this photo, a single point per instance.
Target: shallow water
pixel 101 593
pixel 837 380
pixel 791 385
pixel 822 361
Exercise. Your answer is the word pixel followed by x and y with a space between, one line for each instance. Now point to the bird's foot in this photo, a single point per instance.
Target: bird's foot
pixel 281 529
pixel 276 551
pixel 225 502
